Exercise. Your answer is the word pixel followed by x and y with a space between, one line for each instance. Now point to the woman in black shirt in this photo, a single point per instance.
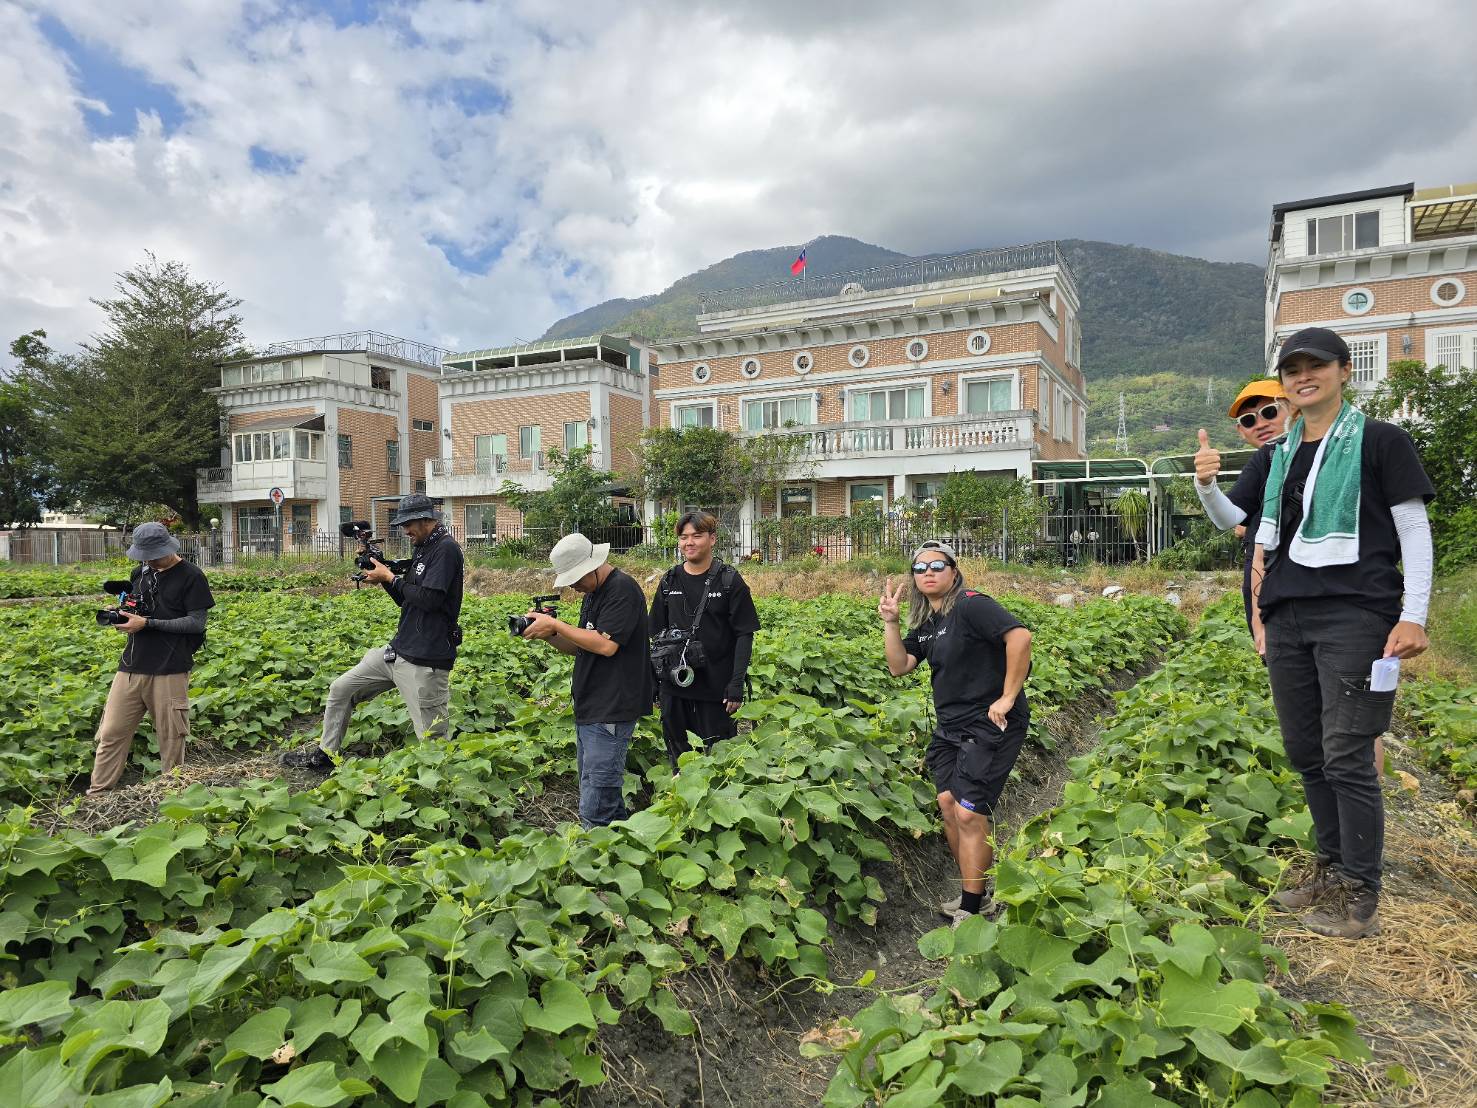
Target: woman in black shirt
pixel 978 656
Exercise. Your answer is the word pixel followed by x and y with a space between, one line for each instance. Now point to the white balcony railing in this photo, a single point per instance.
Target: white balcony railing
pixel 245 481
pixel 937 435
pixel 483 476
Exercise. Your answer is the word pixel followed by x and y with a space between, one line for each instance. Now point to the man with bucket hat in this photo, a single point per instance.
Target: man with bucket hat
pixel 419 658
pixel 154 673
pixel 612 672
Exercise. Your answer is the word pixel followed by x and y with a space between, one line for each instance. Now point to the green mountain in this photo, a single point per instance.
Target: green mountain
pixel 1157 327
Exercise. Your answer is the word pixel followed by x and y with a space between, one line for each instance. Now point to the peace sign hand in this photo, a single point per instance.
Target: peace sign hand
pixel 888 604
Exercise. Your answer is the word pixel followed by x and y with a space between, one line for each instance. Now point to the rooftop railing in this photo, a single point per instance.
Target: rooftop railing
pixel 372 342
pixel 915 271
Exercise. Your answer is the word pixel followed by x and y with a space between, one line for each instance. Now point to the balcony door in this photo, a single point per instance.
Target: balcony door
pixel 492 454
pixel 884 406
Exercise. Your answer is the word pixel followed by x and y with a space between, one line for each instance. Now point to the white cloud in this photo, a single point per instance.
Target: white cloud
pixel 608 150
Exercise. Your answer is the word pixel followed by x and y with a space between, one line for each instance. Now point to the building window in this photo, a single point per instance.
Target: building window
pixel 491 453
pixel 530 441
pixel 481 520
pixel 858 356
pixel 309 445
pixel 422 425
pixel 764 415
pixel 701 373
pixel 866 498
pixel 750 368
pixel 874 404
pixel 1334 233
pixel 1044 399
pixel 804 362
pixel 576 435
pixel 1448 291
pixel 1368 357
pixel 1358 301
pixel 987 396
pixel 925 491
pixel 420 486
pixel 345 513
pixel 346 452
pixel 392 455
pixel 1452 349
pixel 693 415
pixel 978 342
pixel 917 350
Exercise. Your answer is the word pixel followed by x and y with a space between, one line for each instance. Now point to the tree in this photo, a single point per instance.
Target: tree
pixel 578 500
pixel 1438 407
pixel 1132 507
pixel 715 468
pixel 26 483
pixel 129 420
pixel 692 465
pixel 990 507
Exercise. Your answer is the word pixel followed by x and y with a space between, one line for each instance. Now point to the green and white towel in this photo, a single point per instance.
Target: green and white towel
pixel 1329 533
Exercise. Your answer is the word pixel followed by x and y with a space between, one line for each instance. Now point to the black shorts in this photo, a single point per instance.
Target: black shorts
pixel 973 766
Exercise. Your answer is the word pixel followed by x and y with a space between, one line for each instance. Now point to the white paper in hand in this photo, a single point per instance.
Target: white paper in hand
pixel 1384 675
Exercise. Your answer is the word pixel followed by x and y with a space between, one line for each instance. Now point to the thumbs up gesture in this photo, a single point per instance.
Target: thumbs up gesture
pixel 1207 460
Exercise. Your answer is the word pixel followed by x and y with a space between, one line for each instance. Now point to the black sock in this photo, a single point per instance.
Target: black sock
pixel 970 902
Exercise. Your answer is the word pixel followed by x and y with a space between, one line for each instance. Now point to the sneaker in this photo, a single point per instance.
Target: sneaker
pixel 1351 911
pixel 309 757
pixel 947 908
pixel 958 916
pixel 1315 890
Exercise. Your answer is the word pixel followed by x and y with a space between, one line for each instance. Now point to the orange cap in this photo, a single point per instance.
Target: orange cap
pixel 1269 387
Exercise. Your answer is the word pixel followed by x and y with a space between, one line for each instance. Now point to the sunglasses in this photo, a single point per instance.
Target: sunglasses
pixel 1266 411
pixel 938 565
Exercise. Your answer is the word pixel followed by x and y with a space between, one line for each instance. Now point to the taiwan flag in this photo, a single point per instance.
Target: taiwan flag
pixel 797 267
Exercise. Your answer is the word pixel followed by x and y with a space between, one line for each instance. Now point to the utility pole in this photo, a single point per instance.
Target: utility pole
pixel 1122 442
pixel 1210 394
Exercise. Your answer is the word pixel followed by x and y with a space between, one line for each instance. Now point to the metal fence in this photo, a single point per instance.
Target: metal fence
pixel 1060 538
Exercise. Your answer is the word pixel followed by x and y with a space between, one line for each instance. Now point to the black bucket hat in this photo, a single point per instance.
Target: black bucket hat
pixel 415 506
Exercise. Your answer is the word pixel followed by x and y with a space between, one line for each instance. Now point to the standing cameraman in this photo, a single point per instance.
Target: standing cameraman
pixel 612 669
pixel 711 602
pixel 154 673
pixel 978 655
pixel 419 658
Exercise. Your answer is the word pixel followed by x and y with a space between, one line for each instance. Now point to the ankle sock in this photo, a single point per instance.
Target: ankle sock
pixel 970 902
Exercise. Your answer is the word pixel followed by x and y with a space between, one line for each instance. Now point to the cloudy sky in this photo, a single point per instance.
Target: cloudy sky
pixel 465 173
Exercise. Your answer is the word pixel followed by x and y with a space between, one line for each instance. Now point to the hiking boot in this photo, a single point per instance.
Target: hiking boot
pixel 312 757
pixel 1313 891
pixel 1351 911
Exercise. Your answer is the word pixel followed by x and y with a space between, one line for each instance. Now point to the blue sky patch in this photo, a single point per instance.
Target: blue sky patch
pixel 274 162
pixel 475 261
pixel 102 75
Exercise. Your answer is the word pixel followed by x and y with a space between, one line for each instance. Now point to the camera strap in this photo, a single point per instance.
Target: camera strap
pixel 702 604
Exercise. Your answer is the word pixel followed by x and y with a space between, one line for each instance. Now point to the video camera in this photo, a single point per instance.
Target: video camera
pixel 371 549
pixel 544 605
pixel 129 603
pixel 676 655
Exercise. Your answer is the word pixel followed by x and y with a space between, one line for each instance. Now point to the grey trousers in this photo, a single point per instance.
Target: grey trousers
pixel 427 694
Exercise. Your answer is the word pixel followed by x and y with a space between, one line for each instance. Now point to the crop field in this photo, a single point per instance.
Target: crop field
pixel 425 927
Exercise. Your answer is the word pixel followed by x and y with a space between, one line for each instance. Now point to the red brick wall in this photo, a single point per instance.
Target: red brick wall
pixel 242 420
pixel 505 414
pixel 370 474
pixel 625 434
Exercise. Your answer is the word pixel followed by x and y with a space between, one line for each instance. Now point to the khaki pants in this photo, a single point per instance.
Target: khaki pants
pixel 427 694
pixel 166 698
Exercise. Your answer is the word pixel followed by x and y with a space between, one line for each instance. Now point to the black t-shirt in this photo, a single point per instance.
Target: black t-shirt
pixel 1390 473
pixel 168 594
pixel 729 614
pixel 965 652
pixel 1253 473
pixel 616 689
pixel 430 597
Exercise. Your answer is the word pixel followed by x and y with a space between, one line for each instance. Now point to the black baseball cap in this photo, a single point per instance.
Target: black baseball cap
pixel 1320 342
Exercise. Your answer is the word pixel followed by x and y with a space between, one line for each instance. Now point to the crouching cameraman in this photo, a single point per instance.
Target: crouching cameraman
pixel 418 660
pixel 163 615
pixel 702 634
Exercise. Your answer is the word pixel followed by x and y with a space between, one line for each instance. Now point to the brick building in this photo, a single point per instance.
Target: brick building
pixel 1393 270
pixel 502 410
pixel 342 424
pixel 892 378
